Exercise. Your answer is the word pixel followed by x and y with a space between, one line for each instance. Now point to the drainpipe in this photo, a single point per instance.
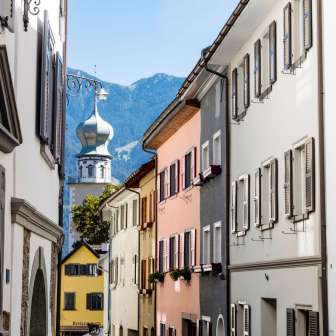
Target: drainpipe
pixel 227 187
pixel 324 285
pixel 138 194
pixel 156 161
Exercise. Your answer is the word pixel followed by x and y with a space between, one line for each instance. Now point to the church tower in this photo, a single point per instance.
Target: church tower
pixel 94 159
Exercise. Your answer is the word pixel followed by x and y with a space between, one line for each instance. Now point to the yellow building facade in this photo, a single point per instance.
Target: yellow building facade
pixel 144 179
pixel 82 288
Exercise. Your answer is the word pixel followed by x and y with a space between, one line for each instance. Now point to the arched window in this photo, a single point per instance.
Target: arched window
pixel 90 171
pixel 80 171
pixel 102 171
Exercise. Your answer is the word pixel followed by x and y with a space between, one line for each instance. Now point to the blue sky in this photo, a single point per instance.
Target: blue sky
pixel 133 39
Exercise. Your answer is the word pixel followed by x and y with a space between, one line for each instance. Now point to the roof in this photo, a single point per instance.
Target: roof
pixel 79 245
pixel 134 179
pixel 169 121
pixel 212 49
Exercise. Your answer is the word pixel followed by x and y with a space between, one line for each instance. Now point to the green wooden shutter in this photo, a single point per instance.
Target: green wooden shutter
pixel 288 36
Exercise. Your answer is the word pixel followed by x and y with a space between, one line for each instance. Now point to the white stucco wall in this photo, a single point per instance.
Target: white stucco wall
pixel 329 46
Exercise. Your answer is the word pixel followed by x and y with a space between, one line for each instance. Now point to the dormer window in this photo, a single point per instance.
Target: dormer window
pixel 90 171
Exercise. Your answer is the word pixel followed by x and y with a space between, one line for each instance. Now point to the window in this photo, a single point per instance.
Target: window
pixel 135 269
pixel 171 331
pixel 90 171
pixel 204 326
pixel 217 157
pixel 172 246
pixel 307 322
pixel 162 182
pixel 71 269
pixel 102 171
pixel 188 170
pixel 144 210
pixel 300 180
pixel 161 246
pixel 268 317
pixel 162 329
pixel 266 194
pixel 135 212
pixel 241 88
pixel 240 205
pixel 69 301
pixel 189 248
pixel 240 317
pixel 217 243
pixel 206 245
pixel 173 178
pixel 205 156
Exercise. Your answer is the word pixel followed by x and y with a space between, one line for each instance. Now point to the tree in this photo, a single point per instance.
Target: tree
pixel 87 219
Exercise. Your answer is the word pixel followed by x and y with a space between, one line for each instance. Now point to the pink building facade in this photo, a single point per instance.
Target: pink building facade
pixel 175 137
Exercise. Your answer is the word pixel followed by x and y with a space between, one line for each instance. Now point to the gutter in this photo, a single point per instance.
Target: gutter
pixel 322 181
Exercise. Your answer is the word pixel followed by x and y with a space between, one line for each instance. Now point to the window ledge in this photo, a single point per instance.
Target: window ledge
pixel 173 196
pixel 241 233
pixel 197 269
pixel 47 155
pixel 212 172
pixel 265 93
pixel 299 218
pixel 188 189
pixel 7 141
pixel 265 227
pixel 206 268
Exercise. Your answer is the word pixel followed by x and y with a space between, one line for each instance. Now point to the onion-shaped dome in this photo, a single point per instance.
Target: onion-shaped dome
pixel 94 134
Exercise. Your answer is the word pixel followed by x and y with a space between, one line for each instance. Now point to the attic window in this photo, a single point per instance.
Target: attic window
pixel 10 133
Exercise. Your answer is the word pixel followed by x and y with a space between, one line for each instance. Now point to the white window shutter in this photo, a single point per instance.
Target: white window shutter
pixel 273 184
pixel 307 24
pixel 288 185
pixel 233 325
pixel 193 247
pixel 176 255
pixel 181 250
pixel 234 207
pixel 246 202
pixel 257 68
pixel 234 94
pixel 288 36
pixel 309 175
pixel 257 197
pixel 247 81
pixel 246 320
pixel 273 52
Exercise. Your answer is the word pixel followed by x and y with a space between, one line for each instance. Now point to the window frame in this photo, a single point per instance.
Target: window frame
pixel 90 304
pixel 216 226
pixel 206 230
pixel 74 301
pixel 217 161
pixel 207 147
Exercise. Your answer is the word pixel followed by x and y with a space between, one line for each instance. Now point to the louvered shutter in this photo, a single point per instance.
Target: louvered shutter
pixel 176 255
pixel 273 183
pixel 234 94
pixel 200 327
pixel 233 325
pixel 246 203
pixel 167 255
pixel 158 187
pixel 58 110
pixel 257 68
pixel 273 52
pixel 234 207
pixel 247 320
pixel 177 176
pixel 309 175
pixel 257 196
pixel 210 328
pixel 307 24
pixel 314 324
pixel 247 81
pixel 288 185
pixel 161 269
pixel 46 107
pixel 181 250
pixel 193 163
pixel 288 36
pixel 126 215
pixel 193 247
pixel 2 227
pixel 167 182
pixel 290 316
pixel 7 10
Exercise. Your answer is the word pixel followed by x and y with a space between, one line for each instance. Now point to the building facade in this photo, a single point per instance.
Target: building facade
pixel 123 212
pixel 82 291
pixel 275 220
pixel 175 137
pixel 32 71
pixel 144 180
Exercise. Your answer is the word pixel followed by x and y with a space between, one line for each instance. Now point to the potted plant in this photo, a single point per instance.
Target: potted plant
pixel 175 274
pixel 156 277
pixel 185 274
